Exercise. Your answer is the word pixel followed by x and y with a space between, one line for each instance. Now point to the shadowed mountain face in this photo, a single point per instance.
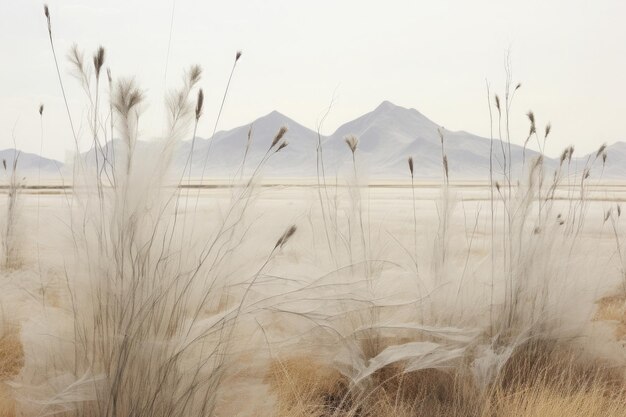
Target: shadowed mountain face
pixel 224 156
pixel 390 134
pixel 387 136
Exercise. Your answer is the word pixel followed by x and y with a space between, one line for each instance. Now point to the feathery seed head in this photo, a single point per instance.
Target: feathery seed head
pixel 285 236
pixel 237 56
pixel 46 13
pixel 533 127
pixel 548 129
pixel 77 59
pixel 199 104
pixel 98 60
pixel 282 145
pixel 497 102
pixel 411 165
pixel 279 136
pixel 600 150
pixel 127 96
pixel 352 142
pixel 4 164
pixel 564 156
pixel 41 109
pixel 195 72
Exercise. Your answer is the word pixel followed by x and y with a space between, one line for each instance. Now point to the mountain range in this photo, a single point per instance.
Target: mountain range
pixel 30 164
pixel 387 136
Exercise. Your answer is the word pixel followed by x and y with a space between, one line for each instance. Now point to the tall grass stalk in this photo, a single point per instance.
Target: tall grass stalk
pixel 10 233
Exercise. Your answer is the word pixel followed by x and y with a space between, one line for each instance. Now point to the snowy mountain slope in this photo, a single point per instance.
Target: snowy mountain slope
pixel 390 134
pixel 387 135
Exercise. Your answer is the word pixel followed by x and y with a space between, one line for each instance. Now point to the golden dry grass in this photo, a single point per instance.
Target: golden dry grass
pixel 11 353
pixel 542 379
pixel 613 309
pixel 542 401
pixel 11 361
pixel 7 404
pixel 555 364
pixel 305 388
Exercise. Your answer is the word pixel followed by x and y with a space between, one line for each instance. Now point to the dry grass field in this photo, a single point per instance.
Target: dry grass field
pixel 130 289
pixel 300 330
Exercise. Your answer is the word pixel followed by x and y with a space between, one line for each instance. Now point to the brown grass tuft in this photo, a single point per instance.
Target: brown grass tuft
pixel 11 362
pixel 556 365
pixel 540 401
pixel 11 353
pixel 543 378
pixel 307 388
pixel 7 403
pixel 304 387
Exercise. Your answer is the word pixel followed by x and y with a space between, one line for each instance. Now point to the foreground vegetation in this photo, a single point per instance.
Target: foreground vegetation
pixel 147 300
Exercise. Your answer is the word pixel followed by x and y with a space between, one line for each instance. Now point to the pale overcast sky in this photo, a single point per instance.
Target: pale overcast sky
pixel 431 55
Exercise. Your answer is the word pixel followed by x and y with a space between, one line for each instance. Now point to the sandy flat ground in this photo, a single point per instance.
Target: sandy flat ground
pixel 314 271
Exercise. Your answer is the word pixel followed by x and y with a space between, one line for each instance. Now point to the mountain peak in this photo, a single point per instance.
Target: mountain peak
pixel 274 118
pixel 388 105
pixel 273 115
pixel 271 122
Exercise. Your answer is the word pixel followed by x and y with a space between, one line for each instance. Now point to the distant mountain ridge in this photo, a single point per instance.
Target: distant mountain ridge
pixel 387 135
pixel 30 164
